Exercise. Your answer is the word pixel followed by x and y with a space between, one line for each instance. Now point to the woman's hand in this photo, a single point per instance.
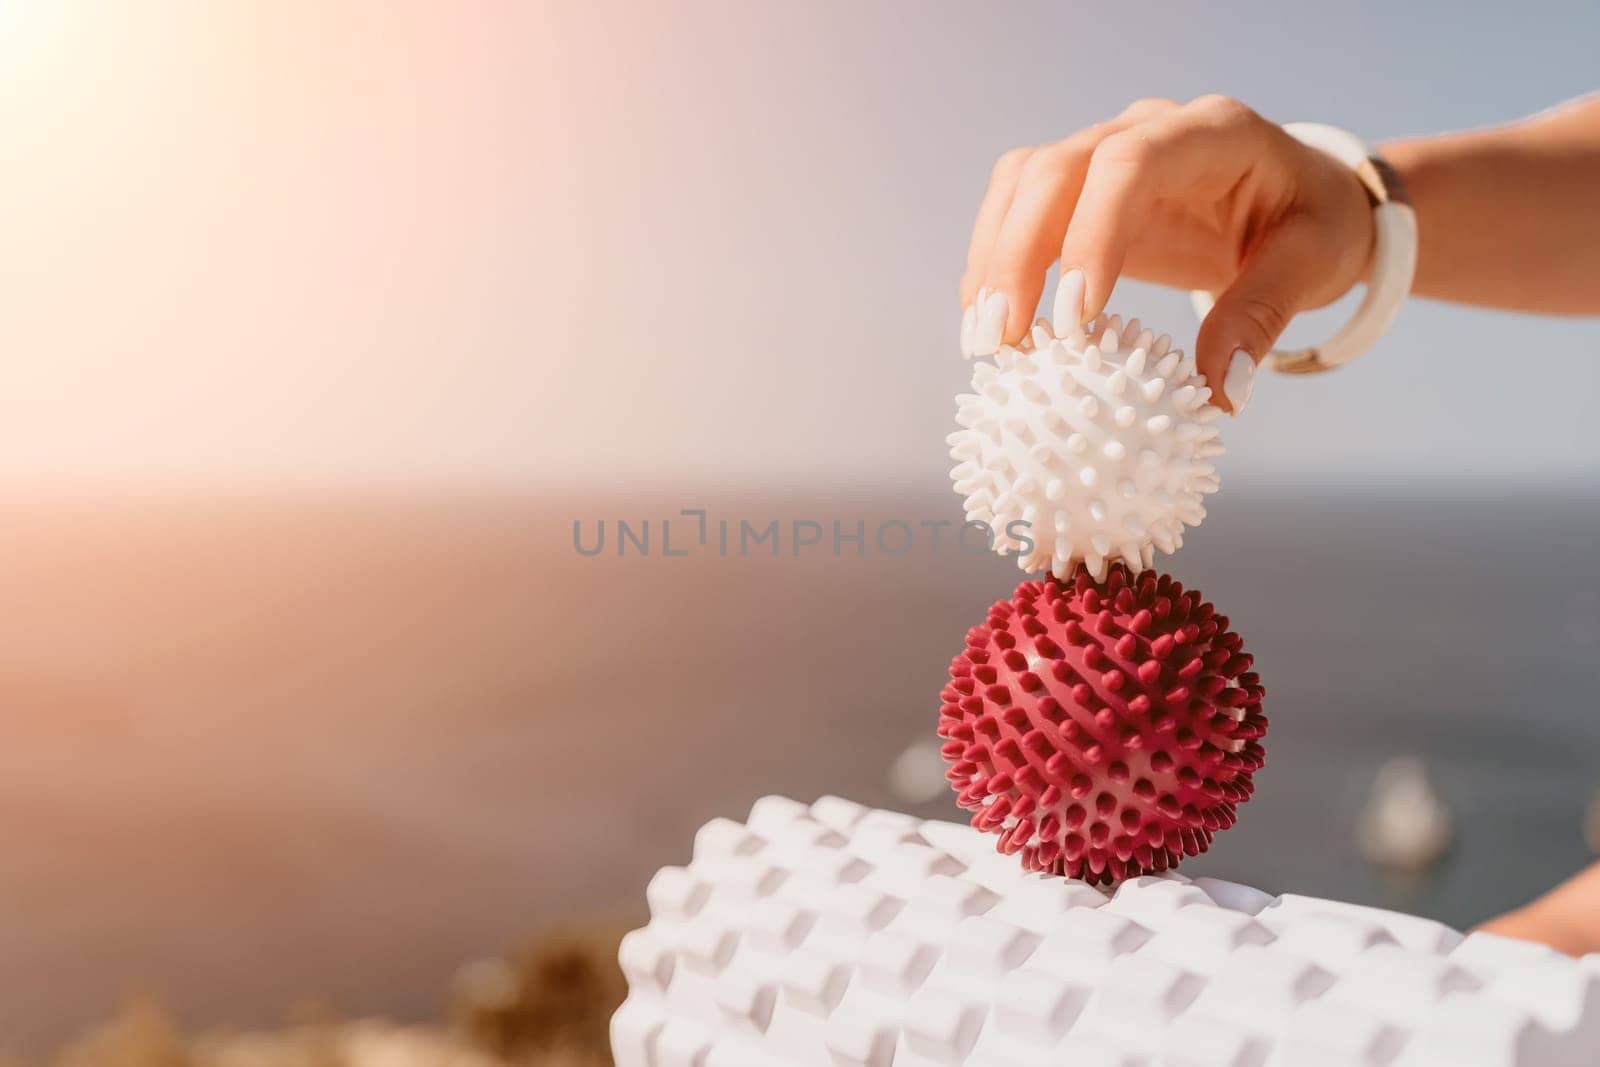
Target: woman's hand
pixel 1204 195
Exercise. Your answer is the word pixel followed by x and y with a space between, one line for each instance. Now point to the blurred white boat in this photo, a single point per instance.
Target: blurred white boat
pixel 1406 825
pixel 917 775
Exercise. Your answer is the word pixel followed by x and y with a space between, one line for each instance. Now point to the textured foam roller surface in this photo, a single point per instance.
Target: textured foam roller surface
pixel 1101 442
pixel 1102 729
pixel 837 936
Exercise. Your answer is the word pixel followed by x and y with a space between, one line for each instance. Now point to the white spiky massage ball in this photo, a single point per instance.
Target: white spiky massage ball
pixel 1101 442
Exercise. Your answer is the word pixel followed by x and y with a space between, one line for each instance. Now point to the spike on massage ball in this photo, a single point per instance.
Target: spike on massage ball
pixel 1104 729
pixel 1101 442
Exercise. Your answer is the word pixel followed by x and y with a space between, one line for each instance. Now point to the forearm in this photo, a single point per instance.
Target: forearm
pixel 1510 217
pixel 1566 918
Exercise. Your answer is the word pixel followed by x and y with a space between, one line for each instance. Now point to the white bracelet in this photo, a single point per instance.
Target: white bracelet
pixel 1394 261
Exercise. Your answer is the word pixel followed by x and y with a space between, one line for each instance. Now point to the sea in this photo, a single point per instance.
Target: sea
pixel 269 748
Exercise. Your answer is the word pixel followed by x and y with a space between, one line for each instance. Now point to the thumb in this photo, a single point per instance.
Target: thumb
pixel 1252 312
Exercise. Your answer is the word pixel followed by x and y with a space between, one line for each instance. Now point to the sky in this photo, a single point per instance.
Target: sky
pixel 609 245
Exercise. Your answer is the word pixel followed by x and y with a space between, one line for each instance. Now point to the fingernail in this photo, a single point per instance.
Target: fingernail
pixel 1240 381
pixel 969 319
pixel 1068 314
pixel 991 324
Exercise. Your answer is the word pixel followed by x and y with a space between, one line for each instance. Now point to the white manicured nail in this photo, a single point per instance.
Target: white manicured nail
pixel 1069 303
pixel 991 324
pixel 1240 381
pixel 969 321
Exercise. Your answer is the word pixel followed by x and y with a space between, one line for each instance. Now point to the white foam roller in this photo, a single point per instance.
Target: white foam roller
pixel 832 935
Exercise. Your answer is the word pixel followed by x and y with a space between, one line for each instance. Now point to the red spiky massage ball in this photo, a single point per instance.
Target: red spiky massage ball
pixel 1103 729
